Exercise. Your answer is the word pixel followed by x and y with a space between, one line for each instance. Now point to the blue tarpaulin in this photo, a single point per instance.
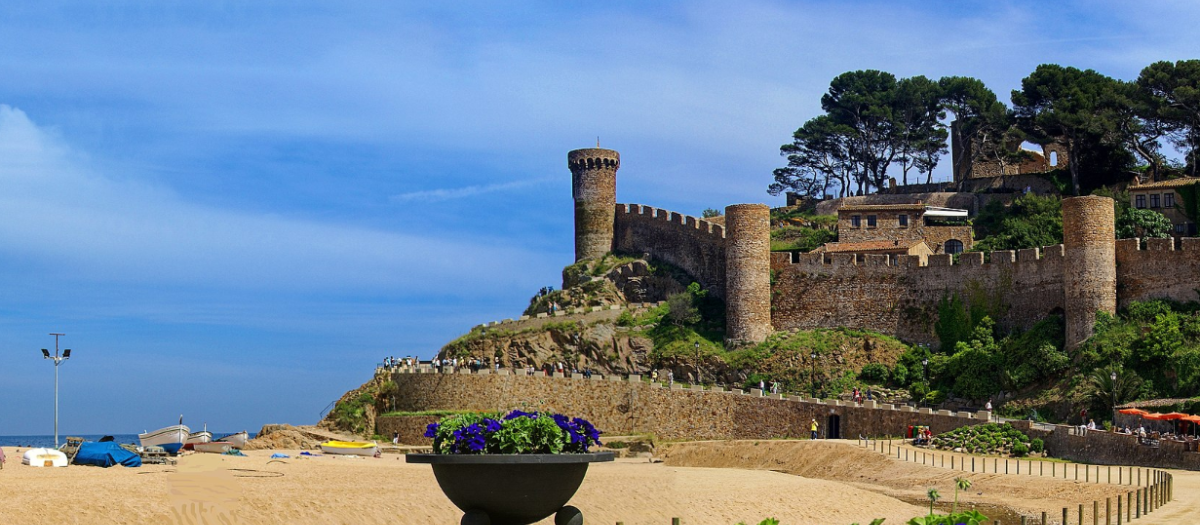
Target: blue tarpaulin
pixel 106 455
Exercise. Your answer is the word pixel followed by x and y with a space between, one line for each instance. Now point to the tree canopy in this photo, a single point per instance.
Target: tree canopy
pixel 875 127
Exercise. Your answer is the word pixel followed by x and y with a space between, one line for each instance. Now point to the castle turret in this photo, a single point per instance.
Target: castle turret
pixel 747 273
pixel 594 185
pixel 1090 269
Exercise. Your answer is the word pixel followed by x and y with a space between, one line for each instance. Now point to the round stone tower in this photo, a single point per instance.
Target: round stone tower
pixel 594 185
pixel 1090 264
pixel 747 273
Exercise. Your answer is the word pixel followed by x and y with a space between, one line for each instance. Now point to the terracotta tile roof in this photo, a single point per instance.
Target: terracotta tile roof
pixel 869 246
pixel 882 207
pixel 1173 183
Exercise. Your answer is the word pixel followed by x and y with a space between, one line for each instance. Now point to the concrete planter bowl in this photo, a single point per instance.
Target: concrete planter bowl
pixel 512 489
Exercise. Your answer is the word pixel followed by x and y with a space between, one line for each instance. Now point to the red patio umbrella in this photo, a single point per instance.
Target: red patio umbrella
pixel 1153 416
pixel 1132 411
pixel 1173 415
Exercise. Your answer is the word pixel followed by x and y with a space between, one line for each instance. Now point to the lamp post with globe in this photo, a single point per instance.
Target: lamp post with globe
pixel 812 379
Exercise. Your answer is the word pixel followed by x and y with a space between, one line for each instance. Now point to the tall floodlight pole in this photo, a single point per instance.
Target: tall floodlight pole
pixel 66 354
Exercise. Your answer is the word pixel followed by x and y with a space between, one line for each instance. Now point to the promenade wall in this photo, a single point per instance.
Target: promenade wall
pixel 621 406
pixel 1109 448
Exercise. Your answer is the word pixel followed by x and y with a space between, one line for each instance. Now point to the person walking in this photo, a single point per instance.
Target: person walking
pixel 670 378
pixel 813 427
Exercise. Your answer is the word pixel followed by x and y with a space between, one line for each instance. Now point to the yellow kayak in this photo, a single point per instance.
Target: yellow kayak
pixel 350 448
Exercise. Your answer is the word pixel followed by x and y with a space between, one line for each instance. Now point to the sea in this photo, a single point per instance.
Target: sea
pixel 48 440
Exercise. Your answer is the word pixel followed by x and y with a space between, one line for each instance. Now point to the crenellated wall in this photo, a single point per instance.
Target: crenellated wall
pixel 1161 270
pixel 695 245
pixel 898 296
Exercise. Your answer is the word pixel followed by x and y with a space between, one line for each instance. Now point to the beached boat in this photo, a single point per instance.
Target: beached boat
pixel 350 448
pixel 214 447
pixel 238 440
pixel 44 457
pixel 169 438
pixel 203 436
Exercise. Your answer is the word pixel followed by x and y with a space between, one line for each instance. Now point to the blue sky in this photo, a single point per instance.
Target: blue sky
pixel 234 209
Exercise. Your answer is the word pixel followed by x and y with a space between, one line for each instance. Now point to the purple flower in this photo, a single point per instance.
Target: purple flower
pixel 490 425
pixel 431 430
pixel 519 413
pixel 469 440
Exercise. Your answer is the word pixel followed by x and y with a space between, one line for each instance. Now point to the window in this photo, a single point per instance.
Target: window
pixel 1168 200
pixel 871 221
pixel 1179 228
pixel 954 246
pixel 1140 201
pixel 855 221
pixel 904 221
pixel 1154 201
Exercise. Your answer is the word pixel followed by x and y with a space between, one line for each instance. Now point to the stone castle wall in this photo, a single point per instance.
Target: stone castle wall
pixel 621 407
pixel 1166 268
pixel 1090 274
pixel 697 246
pixel 897 296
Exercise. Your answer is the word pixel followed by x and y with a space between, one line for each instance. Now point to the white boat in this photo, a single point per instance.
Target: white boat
pixel 169 438
pixel 44 457
pixel 198 437
pixel 214 447
pixel 238 440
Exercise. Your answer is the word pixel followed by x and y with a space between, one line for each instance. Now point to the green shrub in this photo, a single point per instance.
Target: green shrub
pixel 1037 445
pixel 874 373
pixel 1020 450
pixel 625 319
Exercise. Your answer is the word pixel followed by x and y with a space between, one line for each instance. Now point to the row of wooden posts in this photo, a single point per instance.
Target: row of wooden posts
pixel 1159 488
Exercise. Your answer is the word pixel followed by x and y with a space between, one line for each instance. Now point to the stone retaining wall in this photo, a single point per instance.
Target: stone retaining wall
pixel 619 406
pixel 1109 448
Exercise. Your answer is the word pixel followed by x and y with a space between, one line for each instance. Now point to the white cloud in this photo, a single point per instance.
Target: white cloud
pixel 96 227
pixel 442 194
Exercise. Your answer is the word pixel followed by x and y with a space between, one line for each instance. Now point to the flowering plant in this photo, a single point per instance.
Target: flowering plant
pixel 515 433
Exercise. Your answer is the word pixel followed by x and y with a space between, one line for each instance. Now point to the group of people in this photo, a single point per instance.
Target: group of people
pixel 395 362
pixel 858 395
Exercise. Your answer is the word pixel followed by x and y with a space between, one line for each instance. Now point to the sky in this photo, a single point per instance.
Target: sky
pixel 233 210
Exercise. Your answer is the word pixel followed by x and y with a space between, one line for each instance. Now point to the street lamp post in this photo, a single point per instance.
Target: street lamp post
pixel 812 379
pixel 697 346
pixel 58 360
pixel 925 376
pixel 1113 390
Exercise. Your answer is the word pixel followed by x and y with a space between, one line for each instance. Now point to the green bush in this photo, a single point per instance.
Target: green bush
pixel 874 373
pixel 1020 450
pixel 1037 445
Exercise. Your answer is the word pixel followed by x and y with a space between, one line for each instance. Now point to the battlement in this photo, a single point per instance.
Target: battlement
pixel 688 222
pixel 1017 259
pixel 593 158
pixel 1169 244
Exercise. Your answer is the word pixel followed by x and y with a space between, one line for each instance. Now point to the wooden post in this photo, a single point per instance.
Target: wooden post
pixel 1119 520
pixel 1087 473
pixel 1064 522
pixel 951 462
pixel 1018 467
pixel 1024 520
pixel 1077 472
pixel 1006 466
pixel 1080 511
pixel 1095 512
pixel 1139 477
pixel 1119 472
pixel 1137 510
pixel 1041 468
pixel 1129 506
pixel 1044 522
pixel 1110 474
pixel 1107 511
pixel 674 521
pixel 972 464
pixel 1054 470
pixel 995 466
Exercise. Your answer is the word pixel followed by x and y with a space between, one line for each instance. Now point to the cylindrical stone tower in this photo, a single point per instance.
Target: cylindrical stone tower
pixel 1090 264
pixel 747 273
pixel 594 185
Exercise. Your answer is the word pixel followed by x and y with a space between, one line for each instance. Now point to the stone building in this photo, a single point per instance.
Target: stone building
pixel 903 229
pixel 1163 197
pixel 1052 156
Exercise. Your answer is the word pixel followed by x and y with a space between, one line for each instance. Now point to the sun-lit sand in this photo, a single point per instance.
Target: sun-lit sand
pixel 754 482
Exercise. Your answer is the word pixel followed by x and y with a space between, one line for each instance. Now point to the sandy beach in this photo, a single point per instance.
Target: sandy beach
pixel 745 482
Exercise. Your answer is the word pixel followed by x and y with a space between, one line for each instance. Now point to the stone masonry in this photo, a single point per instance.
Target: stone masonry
pixel 621 407
pixel 594 184
pixel 1090 270
pixel 747 273
pixel 897 295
